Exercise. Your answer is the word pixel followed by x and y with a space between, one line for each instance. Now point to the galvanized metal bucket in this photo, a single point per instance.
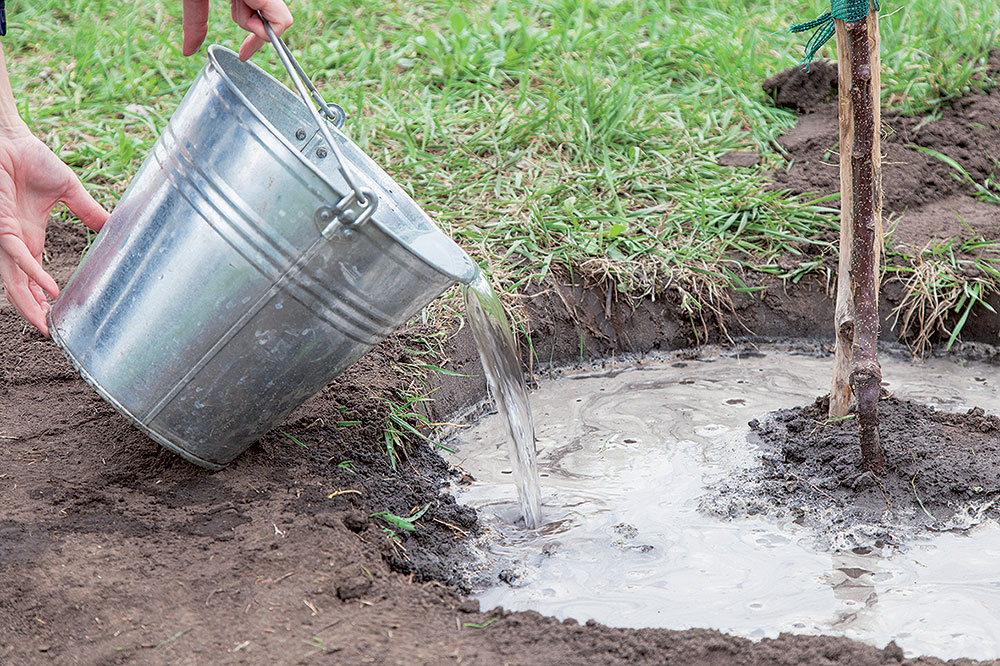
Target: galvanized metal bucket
pixel 257 253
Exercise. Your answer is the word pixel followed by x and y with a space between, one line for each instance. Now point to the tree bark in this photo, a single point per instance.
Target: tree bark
pixel 841 395
pixel 866 375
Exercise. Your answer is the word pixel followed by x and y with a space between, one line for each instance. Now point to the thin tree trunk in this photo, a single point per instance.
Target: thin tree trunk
pixel 841 395
pixel 866 375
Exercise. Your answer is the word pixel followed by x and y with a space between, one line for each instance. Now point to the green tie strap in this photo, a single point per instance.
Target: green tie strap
pixel 846 10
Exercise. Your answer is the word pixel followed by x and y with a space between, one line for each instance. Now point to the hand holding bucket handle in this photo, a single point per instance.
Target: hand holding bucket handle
pixel 246 15
pixel 357 206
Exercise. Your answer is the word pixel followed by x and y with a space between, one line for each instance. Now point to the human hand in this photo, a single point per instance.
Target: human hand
pixel 244 12
pixel 32 181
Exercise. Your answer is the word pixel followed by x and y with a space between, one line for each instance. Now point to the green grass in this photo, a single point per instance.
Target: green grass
pixel 295 440
pixel 405 422
pixel 406 524
pixel 562 134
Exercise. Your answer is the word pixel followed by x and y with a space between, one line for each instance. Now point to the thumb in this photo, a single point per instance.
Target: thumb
pixel 84 206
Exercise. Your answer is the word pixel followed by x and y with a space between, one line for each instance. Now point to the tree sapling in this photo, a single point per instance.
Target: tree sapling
pixel 857 376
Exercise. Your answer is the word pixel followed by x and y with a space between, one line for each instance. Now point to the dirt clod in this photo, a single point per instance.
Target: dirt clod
pixel 355 521
pixel 354 588
pixel 468 606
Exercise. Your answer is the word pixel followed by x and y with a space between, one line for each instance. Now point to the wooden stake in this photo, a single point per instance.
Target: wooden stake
pixel 866 375
pixel 841 394
pixel 857 375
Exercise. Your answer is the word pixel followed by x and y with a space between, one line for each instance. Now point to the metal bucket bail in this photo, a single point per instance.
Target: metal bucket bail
pixel 357 205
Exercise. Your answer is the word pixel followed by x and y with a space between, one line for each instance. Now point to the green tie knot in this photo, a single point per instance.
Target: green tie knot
pixel 846 10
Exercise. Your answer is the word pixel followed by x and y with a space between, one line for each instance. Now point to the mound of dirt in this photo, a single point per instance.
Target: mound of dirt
pixel 924 198
pixel 942 472
pixel 804 90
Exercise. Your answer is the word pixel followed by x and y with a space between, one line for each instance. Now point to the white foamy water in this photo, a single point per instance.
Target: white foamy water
pixel 623 460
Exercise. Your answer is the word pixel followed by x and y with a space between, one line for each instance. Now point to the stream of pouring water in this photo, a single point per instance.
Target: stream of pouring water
pixel 498 352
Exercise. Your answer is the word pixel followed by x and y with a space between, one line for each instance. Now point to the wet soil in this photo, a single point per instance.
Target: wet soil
pixel 942 472
pixel 115 551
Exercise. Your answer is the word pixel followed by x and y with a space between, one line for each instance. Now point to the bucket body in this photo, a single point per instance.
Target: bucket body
pixel 219 297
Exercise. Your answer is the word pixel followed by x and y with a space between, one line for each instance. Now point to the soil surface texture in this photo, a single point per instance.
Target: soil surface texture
pixel 942 472
pixel 116 551
pixel 925 199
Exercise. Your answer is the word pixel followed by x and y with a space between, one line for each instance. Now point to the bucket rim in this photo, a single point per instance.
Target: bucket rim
pixel 465 275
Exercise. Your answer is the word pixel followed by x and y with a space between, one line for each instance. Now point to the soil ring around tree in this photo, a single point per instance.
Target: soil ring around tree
pixel 942 473
pixel 114 550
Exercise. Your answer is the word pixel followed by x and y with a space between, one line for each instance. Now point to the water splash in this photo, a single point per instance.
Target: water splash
pixel 498 352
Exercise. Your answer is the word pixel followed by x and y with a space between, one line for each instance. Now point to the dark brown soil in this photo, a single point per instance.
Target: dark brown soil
pixel 115 551
pixel 924 200
pixel 804 90
pixel 942 472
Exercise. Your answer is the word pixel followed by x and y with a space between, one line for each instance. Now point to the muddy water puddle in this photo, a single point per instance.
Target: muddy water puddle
pixel 624 457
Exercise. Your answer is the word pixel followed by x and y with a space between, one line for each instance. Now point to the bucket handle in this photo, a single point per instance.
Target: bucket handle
pixel 357 206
